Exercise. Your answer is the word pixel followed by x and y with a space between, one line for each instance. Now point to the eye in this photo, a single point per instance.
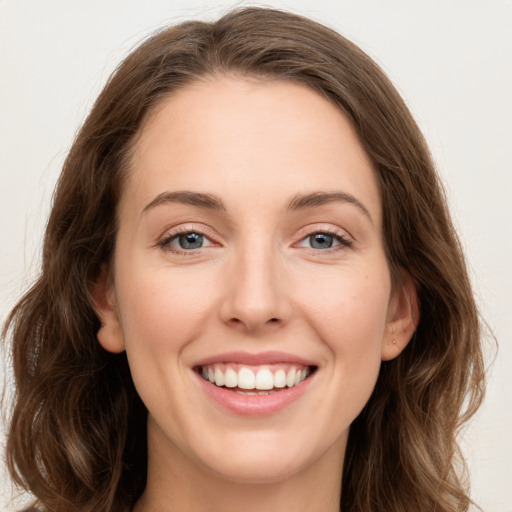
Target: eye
pixel 324 240
pixel 185 241
pixel 321 241
pixel 190 241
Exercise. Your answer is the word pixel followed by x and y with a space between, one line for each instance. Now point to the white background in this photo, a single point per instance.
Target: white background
pixel 451 60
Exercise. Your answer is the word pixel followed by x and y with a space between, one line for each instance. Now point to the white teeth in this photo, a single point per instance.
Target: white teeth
pixel 290 378
pixel 279 379
pixel 219 377
pixel 230 378
pixel 264 379
pixel 246 379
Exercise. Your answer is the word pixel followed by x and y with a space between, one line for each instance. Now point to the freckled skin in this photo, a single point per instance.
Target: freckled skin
pixel 255 146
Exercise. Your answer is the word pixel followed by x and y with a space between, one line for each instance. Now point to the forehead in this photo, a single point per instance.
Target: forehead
pixel 238 137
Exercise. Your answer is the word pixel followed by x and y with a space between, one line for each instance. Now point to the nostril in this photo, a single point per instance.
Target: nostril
pixel 239 323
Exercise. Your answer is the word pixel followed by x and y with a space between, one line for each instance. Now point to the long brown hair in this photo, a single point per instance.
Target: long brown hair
pixel 77 437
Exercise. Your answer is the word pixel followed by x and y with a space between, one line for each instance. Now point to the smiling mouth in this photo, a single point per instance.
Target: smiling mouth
pixel 255 380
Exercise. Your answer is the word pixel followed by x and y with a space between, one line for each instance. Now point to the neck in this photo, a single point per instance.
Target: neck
pixel 175 483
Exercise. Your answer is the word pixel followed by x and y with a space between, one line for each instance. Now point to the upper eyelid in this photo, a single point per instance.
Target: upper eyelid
pixel 175 234
pixel 187 228
pixel 320 227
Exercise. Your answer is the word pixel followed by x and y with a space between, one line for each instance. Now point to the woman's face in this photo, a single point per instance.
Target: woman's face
pixel 250 253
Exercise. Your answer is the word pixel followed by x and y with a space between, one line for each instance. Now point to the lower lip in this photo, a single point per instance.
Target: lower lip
pixel 254 405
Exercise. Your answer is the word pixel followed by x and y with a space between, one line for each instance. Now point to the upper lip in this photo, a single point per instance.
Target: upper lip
pixel 255 359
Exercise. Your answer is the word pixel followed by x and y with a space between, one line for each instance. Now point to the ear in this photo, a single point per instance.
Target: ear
pixel 403 317
pixel 110 334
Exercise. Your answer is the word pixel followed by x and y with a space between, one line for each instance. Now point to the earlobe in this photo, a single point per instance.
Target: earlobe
pixel 110 334
pixel 403 318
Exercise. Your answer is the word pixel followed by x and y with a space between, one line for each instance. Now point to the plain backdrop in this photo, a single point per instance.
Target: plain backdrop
pixel 450 59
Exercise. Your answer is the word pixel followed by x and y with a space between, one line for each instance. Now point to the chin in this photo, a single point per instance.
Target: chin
pixel 264 457
pixel 255 470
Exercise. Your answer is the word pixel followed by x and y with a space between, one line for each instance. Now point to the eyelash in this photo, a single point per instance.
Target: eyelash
pixel 344 241
pixel 165 243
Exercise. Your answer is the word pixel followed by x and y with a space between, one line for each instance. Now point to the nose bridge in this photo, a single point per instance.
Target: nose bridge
pixel 255 296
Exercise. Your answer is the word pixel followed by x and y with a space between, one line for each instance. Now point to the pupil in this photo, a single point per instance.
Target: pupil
pixel 191 241
pixel 321 241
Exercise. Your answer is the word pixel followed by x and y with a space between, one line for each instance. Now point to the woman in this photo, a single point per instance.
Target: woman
pixel 249 264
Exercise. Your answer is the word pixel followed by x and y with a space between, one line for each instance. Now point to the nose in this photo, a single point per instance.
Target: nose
pixel 256 299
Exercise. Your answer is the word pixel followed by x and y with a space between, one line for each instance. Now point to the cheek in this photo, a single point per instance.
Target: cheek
pixel 349 309
pixel 162 311
pixel 161 315
pixel 349 318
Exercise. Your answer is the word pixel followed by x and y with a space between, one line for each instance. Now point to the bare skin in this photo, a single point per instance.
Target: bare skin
pixel 250 222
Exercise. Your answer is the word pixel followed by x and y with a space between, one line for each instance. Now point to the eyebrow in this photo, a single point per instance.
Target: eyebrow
pixel 298 202
pixel 185 197
pixel 305 201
